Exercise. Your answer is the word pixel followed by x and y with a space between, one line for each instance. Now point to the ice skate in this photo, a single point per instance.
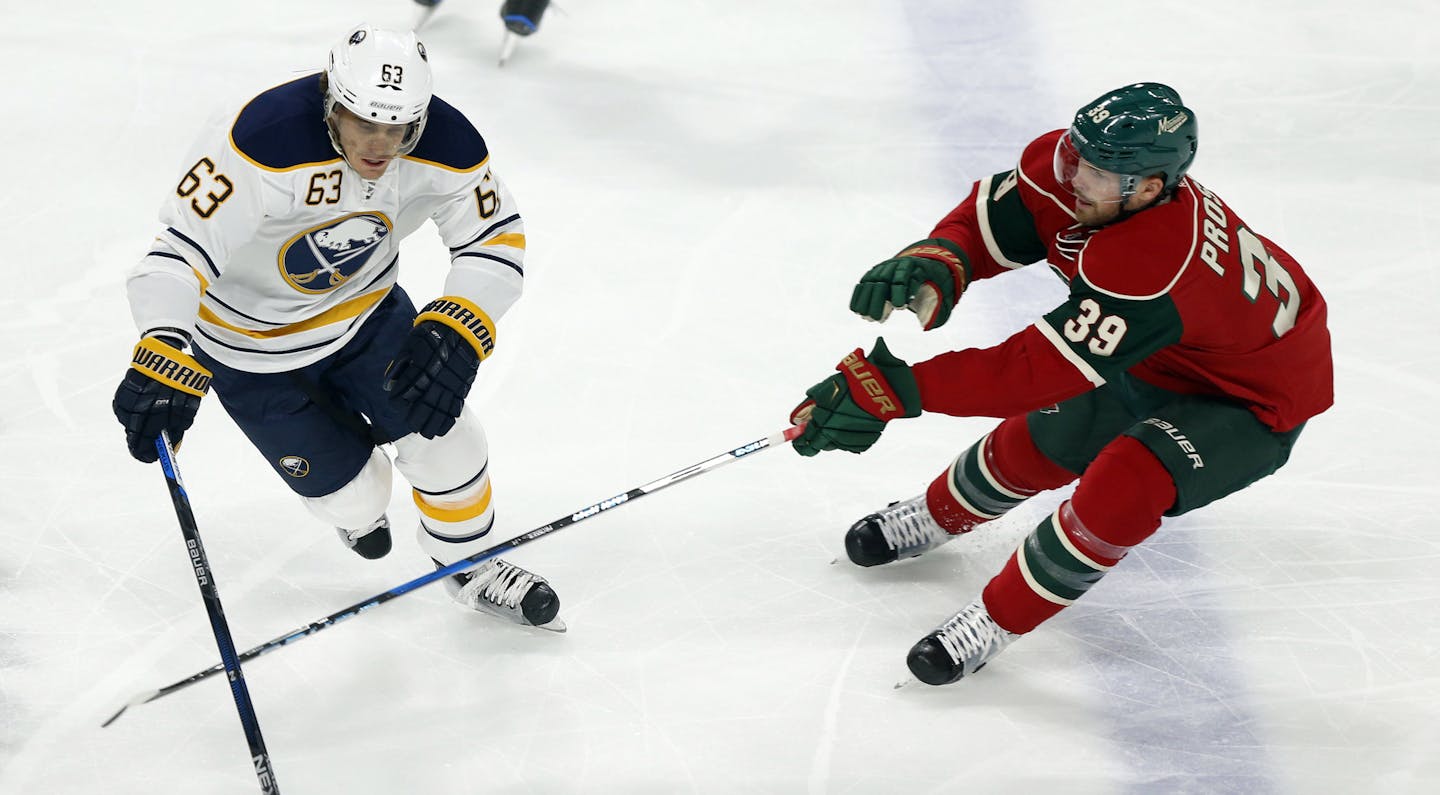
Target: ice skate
pixel 505 590
pixel 959 647
pixel 521 18
pixel 371 542
pixel 902 530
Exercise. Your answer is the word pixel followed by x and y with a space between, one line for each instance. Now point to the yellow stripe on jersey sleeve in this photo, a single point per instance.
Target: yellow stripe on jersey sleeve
pixel 514 240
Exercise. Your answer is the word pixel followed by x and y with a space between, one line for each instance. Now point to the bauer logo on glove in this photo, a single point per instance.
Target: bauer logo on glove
pixel 847 411
pixel 862 375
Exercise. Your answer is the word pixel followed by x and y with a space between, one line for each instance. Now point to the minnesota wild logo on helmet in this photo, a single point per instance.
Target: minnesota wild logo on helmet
pixel 1137 131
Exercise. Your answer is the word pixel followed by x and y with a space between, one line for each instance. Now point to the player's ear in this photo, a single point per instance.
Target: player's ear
pixel 1150 187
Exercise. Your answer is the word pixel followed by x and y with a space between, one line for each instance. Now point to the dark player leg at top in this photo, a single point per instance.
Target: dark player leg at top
pixel 521 18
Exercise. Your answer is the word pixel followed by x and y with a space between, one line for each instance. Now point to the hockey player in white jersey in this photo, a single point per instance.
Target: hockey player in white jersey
pixel 277 267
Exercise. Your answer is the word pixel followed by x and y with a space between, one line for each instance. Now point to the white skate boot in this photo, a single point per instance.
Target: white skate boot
pixel 902 530
pixel 959 647
pixel 505 590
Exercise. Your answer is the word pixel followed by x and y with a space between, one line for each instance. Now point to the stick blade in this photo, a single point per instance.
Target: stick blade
pixel 143 698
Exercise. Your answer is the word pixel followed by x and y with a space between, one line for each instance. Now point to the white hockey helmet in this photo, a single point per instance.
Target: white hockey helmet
pixel 382 76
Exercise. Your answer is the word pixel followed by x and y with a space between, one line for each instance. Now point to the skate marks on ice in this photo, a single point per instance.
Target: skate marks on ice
pixel 1156 640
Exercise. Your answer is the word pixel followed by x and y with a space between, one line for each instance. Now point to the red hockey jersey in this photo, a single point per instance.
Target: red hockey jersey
pixel 1182 295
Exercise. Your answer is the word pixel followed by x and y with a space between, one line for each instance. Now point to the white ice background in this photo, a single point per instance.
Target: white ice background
pixel 702 181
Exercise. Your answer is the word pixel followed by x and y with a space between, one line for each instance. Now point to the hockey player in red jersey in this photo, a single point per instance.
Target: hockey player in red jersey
pixel 1183 366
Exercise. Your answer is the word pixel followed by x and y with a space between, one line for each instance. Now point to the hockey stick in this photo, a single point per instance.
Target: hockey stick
pixel 581 515
pixel 218 625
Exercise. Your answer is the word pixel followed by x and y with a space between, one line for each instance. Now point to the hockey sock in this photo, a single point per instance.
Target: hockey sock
pixel 1117 504
pixel 997 473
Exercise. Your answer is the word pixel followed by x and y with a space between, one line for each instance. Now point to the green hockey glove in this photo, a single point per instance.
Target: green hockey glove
pixel 927 278
pixel 849 410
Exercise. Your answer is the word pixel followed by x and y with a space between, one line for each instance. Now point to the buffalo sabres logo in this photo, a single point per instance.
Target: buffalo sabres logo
pixel 294 466
pixel 322 258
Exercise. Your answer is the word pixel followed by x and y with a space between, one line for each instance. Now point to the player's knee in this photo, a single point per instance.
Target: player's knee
pixel 444 464
pixel 1123 493
pixel 451 481
pixel 1013 456
pixel 359 502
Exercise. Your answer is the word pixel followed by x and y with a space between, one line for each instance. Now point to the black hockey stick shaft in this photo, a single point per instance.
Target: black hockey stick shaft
pixel 205 578
pixel 581 515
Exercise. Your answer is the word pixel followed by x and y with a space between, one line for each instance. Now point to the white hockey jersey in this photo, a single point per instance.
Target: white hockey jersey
pixel 275 251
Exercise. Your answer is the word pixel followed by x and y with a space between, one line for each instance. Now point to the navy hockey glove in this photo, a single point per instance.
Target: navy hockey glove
pixel 927 278
pixel 432 373
pixel 848 411
pixel 160 392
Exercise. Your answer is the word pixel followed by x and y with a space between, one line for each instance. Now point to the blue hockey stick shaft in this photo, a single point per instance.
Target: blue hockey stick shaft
pixel 205 578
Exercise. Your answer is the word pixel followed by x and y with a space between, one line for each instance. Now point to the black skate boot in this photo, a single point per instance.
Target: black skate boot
pixel 503 589
pixel 959 647
pixel 902 530
pixel 371 542
pixel 522 17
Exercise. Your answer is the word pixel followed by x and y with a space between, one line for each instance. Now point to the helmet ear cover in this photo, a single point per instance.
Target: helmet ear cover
pixel 1139 130
pixel 379 76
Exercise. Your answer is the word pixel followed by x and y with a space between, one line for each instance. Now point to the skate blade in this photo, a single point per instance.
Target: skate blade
pixel 556 625
pixel 507 46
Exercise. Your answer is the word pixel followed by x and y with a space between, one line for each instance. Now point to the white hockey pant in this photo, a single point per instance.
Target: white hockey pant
pixel 450 482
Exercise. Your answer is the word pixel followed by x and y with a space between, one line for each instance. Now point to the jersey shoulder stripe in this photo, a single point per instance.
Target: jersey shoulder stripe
pixel 1085 368
pixel 283 128
pixel 450 141
pixel 1145 255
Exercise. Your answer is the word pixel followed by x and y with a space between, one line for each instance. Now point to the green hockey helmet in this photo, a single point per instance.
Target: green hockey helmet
pixel 1136 131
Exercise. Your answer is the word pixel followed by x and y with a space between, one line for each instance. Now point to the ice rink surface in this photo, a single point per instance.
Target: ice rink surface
pixel 702 181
